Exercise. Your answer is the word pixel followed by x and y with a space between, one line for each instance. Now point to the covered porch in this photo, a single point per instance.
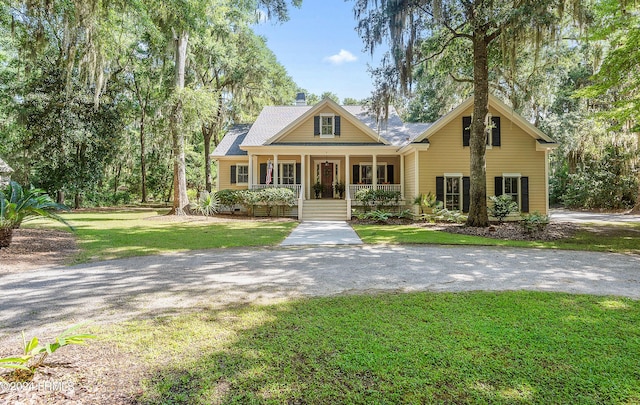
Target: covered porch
pixel 327 176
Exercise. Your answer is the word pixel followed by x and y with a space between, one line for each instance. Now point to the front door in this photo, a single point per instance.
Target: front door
pixel 326 179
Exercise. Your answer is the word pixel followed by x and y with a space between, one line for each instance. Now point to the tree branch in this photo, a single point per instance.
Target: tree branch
pixel 460 80
pixel 453 31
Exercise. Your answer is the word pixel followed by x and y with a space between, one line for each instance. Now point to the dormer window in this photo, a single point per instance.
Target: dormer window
pixel 327 125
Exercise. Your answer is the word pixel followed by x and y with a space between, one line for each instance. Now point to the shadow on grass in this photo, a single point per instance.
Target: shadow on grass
pixel 513 347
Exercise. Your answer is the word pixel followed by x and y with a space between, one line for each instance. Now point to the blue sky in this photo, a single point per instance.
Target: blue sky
pixel 321 50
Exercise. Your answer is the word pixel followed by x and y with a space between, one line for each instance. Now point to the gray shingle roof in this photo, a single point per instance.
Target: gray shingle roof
pixel 230 144
pixel 274 119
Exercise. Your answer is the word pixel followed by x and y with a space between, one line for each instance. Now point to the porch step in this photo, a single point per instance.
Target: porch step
pixel 324 210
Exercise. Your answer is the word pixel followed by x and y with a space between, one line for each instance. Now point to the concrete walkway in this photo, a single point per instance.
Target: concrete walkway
pixel 322 233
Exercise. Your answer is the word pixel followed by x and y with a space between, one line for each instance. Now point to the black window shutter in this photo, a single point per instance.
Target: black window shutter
pixel 298 172
pixel 524 198
pixel 495 131
pixel 390 178
pixel 498 188
pixel 440 189
pixel 466 186
pixel 316 125
pixel 336 125
pixel 466 130
pixel 263 173
pixel 355 174
pixel 233 174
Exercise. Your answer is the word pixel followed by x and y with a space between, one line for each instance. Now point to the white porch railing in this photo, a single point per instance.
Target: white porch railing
pixel 354 188
pixel 295 187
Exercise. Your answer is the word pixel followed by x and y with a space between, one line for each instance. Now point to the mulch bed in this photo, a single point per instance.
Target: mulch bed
pixel 98 373
pixel 33 248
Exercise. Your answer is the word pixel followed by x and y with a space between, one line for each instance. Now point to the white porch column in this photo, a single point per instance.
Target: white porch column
pixel 417 173
pixel 374 174
pixel 309 180
pixel 274 181
pixel 303 174
pixel 347 171
pixel 402 177
pixel 347 181
pixel 250 179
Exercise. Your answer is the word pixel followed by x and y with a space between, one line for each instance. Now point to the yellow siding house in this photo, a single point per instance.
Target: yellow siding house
pixel 303 146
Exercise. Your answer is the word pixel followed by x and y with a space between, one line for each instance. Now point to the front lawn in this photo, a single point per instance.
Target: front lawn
pixel 117 234
pixel 480 347
pixel 623 238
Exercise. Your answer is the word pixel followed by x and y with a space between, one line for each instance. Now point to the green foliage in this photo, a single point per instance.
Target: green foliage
pixel 534 222
pixel 381 199
pixel 597 186
pixel 276 197
pixel 207 204
pixel 18 205
pixel 229 198
pixel 34 354
pixel 426 201
pixel 502 206
pixel 383 215
pixel 444 215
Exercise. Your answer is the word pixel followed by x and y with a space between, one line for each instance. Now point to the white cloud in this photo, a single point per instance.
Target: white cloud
pixel 341 57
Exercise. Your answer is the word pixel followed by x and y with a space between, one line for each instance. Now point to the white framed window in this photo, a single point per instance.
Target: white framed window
pixel 287 173
pixel 327 126
pixel 453 192
pixel 242 174
pixel 366 172
pixel 511 186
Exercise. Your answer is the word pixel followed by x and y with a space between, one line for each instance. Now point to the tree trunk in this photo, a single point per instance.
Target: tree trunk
pixel 180 199
pixel 478 215
pixel 143 163
pixel 207 133
pixel 636 208
pixel 6 234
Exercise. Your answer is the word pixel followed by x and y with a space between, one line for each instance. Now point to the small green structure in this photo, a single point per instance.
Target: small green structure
pixel 5 173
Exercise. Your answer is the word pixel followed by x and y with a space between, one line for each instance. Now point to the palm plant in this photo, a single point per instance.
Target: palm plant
pixel 18 206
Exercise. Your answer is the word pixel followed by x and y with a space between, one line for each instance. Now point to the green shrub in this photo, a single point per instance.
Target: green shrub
pixel 207 204
pixel 248 199
pixel 229 198
pixel 34 354
pixel 381 199
pixel 426 201
pixel 272 197
pixel 502 207
pixel 534 223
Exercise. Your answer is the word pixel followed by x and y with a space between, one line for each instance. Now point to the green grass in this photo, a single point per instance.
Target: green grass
pixel 503 348
pixel 612 238
pixel 118 234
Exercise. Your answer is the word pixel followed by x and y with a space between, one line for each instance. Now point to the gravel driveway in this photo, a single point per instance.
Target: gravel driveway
pixel 148 286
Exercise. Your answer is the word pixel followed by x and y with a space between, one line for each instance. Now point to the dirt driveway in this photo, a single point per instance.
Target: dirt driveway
pixel 152 285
